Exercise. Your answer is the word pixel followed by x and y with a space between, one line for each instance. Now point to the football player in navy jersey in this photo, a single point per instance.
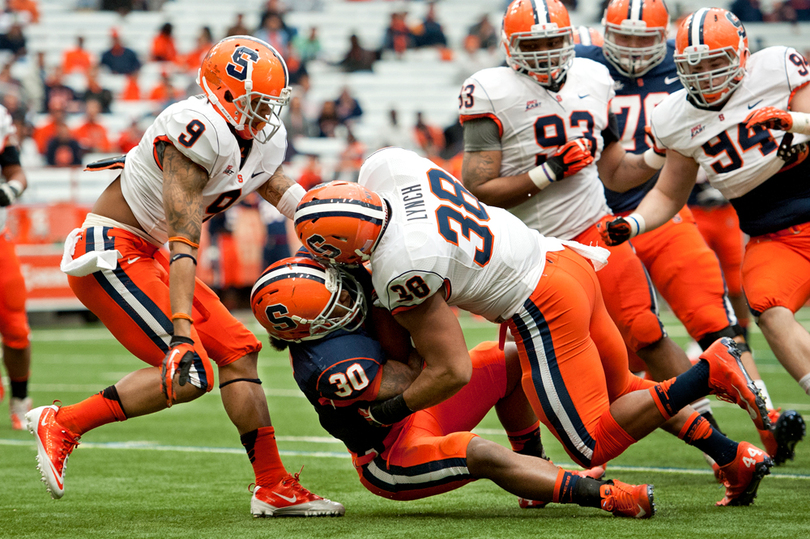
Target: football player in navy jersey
pixel 680 263
pixel 348 374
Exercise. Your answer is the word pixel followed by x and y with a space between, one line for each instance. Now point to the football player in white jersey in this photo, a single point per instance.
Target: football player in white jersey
pixel 744 120
pixel 432 245
pixel 199 157
pixel 13 318
pixel 524 128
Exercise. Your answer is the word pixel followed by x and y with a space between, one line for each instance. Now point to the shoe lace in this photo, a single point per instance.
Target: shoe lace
pixel 773 414
pixel 615 497
pixel 291 481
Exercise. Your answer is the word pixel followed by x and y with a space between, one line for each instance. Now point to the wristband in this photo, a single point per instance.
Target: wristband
pixel 391 411
pixel 637 224
pixel 178 256
pixel 187 241
pixel 182 316
pixel 18 188
pixel 289 200
pixel 801 123
pixel 541 176
pixel 653 159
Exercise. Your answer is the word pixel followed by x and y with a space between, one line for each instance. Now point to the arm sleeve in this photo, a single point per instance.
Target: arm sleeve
pixel 481 134
pixel 9 156
pixel 610 134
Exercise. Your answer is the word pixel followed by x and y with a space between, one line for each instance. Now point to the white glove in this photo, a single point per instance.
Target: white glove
pixel 9 192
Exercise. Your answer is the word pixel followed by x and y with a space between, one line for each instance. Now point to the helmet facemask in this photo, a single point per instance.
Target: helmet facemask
pixel 634 61
pixel 260 109
pixel 547 67
pixel 346 308
pixel 709 76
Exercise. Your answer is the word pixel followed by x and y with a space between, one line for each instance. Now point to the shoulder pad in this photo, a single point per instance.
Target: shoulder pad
pixel 198 137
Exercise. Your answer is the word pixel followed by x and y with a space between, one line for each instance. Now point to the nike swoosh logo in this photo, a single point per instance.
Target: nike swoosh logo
pixel 670 80
pixel 583 96
pixel 131 260
pixel 59 483
pixel 42 421
pixel 641 512
pixel 754 105
pixel 283 497
pixel 257 173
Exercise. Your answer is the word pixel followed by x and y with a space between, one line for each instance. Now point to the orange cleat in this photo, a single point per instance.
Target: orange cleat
pixel 729 381
pixel 54 445
pixel 743 475
pixel 288 498
pixel 623 500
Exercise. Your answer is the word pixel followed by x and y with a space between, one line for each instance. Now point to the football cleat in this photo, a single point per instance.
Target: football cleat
pixel 54 445
pixel 288 498
pixel 742 476
pixel 788 429
pixel 597 472
pixel 17 409
pixel 729 381
pixel 623 500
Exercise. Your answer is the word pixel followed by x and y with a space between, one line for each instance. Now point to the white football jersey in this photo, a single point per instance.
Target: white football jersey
pixel 197 131
pixel 736 159
pixel 438 233
pixel 534 122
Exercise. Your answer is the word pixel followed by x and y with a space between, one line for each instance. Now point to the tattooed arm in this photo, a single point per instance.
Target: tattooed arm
pixel 398 376
pixel 620 170
pixel 274 188
pixel 183 183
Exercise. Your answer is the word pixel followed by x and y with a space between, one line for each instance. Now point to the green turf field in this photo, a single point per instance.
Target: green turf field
pixel 183 472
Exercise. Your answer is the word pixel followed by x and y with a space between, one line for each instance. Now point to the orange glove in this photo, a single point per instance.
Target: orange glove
pixel 770 118
pixel 179 358
pixel 570 158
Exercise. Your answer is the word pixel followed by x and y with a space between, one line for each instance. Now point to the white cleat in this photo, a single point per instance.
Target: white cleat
pixel 17 409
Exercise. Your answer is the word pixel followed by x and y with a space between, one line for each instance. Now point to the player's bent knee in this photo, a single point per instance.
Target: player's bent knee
pixel 484 457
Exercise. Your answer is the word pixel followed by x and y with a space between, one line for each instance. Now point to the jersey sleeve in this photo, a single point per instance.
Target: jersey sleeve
pixel 474 102
pixel 409 289
pixel 351 380
pixel 797 69
pixel 195 136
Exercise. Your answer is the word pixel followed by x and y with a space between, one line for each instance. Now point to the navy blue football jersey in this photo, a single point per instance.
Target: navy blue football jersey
pixel 633 104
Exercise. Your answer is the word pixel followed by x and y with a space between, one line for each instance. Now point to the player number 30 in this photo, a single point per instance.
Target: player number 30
pixel 355 379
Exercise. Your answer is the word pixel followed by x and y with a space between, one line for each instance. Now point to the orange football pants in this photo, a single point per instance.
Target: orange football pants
pixel 687 273
pixel 133 302
pixel 426 454
pixel 13 320
pixel 573 358
pixel 720 227
pixel 628 293
pixel 776 269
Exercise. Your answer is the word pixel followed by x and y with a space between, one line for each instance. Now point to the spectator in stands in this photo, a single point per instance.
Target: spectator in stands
pixel 747 10
pixel 276 242
pixel 29 153
pixel 394 133
pixel 784 12
pixel 274 33
pixel 429 138
pixel 163 48
pixel 398 36
pixel 357 58
pixel 132 89
pixel 130 137
pixel 311 173
pixel 486 33
pixel 13 40
pixel 78 58
pixel 57 94
pixel 63 149
pixel 92 135
pixel 802 9
pixel 27 7
pixel 238 28
pixel 96 92
pixel 8 83
pixel 46 131
pixel 15 106
pixel 165 91
pixel 351 159
pixel 347 107
pixel 205 40
pixel 296 122
pixel 309 48
pixel 120 59
pixel 328 120
pixel 295 66
pixel 430 32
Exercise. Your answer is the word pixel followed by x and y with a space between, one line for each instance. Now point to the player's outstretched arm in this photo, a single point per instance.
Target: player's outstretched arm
pixel 438 337
pixel 480 173
pixel 282 192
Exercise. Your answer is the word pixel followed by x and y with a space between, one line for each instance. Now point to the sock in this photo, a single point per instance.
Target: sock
pixel 528 442
pixel 262 451
pixel 582 491
pixel 19 387
pixel 805 383
pixel 699 433
pixel 564 487
pixel 708 416
pixel 100 409
pixel 673 394
pixel 763 389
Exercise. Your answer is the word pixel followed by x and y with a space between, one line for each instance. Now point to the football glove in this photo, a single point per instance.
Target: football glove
pixel 617 230
pixel 9 192
pixel 178 359
pixel 570 158
pixel 770 118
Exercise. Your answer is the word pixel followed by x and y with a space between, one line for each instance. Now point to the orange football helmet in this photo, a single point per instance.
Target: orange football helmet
pixel 248 83
pixel 299 299
pixel 526 22
pixel 635 20
pixel 341 222
pixel 584 35
pixel 711 50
